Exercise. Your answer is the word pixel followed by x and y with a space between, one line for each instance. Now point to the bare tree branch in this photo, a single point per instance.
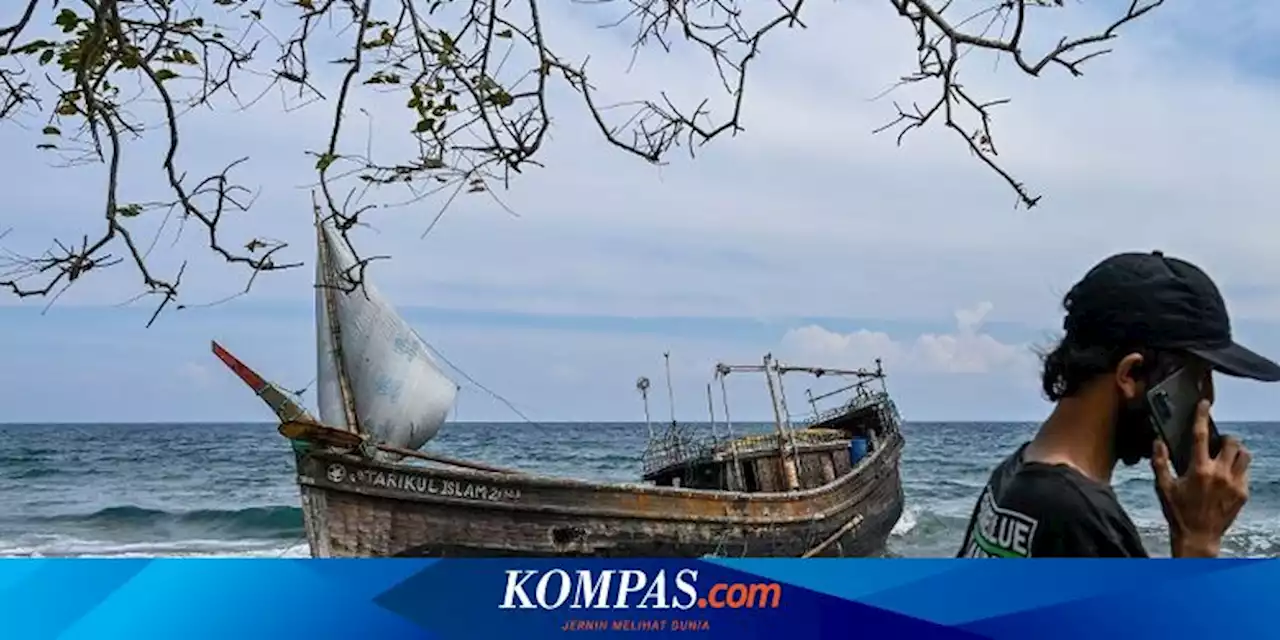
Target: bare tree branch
pixel 475 74
pixel 941 45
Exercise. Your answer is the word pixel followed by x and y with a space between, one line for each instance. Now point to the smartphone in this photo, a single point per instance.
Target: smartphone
pixel 1172 404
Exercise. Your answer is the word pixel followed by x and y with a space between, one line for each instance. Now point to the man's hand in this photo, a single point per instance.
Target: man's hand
pixel 1201 505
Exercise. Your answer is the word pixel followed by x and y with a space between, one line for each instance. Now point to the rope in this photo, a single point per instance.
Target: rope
pixel 301 541
pixel 479 386
pixel 304 389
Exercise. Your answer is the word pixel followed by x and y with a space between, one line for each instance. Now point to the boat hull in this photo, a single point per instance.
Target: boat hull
pixel 356 507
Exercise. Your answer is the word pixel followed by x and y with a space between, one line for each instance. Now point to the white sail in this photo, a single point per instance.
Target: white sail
pixel 370 361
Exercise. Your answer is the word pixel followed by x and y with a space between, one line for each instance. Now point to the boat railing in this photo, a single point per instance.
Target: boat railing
pixel 676 448
pixel 860 401
pixel 666 453
pixel 769 441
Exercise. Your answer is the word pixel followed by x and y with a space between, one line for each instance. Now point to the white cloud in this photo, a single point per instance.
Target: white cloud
pixel 966 350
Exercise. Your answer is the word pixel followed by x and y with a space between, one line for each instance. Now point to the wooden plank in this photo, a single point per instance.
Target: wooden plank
pixel 848 526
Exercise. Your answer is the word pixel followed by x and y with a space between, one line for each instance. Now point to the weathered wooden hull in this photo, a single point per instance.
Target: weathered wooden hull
pixel 354 506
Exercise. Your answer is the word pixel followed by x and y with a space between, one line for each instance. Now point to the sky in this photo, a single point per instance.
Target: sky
pixel 804 236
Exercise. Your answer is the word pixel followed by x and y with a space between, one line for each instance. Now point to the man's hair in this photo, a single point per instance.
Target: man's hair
pixel 1070 365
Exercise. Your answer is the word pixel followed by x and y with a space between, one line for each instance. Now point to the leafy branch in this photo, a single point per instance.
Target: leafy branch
pixel 100 75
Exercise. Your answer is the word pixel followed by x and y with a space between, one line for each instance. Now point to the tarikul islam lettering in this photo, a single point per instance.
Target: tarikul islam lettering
pixel 424 484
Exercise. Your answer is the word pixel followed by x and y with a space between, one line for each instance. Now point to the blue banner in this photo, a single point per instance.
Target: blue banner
pixel 193 599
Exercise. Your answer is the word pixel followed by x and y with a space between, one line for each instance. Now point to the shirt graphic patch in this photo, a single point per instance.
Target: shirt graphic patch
pixel 1000 533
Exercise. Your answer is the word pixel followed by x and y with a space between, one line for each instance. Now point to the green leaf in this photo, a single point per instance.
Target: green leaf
pixel 505 33
pixel 165 74
pixel 129 210
pixel 382 77
pixel 501 98
pixel 324 161
pixel 66 109
pixel 425 125
pixel 46 145
pixel 68 20
pixel 47 56
pixel 52 131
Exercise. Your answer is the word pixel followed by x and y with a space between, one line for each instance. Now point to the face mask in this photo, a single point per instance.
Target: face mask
pixel 1134 436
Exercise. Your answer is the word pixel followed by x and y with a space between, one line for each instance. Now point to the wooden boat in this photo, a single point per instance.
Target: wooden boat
pixel 827 486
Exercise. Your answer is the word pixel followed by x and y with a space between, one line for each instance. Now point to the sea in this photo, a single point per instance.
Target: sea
pixel 229 490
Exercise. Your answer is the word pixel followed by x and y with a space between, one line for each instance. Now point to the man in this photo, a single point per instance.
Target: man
pixel 1132 320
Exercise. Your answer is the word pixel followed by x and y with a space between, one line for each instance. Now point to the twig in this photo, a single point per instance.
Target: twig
pixel 475 74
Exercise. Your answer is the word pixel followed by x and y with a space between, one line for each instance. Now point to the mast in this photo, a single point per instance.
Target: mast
pixel 773 395
pixel 711 411
pixel 721 372
pixel 642 385
pixel 673 433
pixel 786 413
pixel 671 398
pixel 788 464
pixel 724 397
pixel 335 330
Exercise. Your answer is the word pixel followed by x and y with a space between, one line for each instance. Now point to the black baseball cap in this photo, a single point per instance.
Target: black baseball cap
pixel 1154 301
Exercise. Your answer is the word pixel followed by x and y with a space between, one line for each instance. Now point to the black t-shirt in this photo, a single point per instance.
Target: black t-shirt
pixel 1033 509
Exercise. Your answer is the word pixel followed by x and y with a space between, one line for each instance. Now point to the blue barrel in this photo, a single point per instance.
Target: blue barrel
pixel 857 449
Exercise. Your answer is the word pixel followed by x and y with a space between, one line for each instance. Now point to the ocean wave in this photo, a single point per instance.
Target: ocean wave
pixel 1266 488
pixel 918 522
pixel 945 489
pixel 273 522
pixel 25 454
pixel 57 546
pixel 35 473
pixel 922 531
pixel 1244 540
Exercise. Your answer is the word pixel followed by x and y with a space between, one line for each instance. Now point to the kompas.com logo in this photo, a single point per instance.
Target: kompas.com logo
pixel 631 589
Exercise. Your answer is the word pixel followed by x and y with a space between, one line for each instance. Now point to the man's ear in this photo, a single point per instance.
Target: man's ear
pixel 1127 376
